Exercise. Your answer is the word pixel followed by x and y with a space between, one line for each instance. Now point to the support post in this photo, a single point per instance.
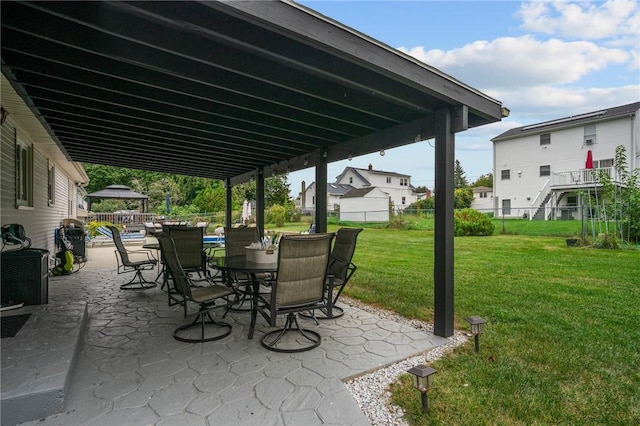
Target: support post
pixel 228 206
pixel 260 201
pixel 444 224
pixel 321 196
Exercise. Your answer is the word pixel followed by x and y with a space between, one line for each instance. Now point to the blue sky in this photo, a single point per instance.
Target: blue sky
pixel 542 60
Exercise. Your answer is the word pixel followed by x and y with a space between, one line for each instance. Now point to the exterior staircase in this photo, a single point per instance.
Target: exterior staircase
pixel 540 212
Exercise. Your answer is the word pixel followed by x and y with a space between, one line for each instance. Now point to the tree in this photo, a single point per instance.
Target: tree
pixel 276 191
pixel 484 180
pixel 620 199
pixel 463 198
pixel 459 178
pixel 420 189
pixel 212 198
pixel 102 176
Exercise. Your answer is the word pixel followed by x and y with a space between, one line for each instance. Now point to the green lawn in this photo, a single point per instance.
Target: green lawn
pixel 562 343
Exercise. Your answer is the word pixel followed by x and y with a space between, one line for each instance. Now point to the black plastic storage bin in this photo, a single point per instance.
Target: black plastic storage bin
pixel 25 276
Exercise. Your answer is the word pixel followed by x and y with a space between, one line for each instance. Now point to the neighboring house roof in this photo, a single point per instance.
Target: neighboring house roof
pixel 338 188
pixel 358 192
pixel 383 172
pixel 361 173
pixel 571 121
pixel 482 189
pixel 355 172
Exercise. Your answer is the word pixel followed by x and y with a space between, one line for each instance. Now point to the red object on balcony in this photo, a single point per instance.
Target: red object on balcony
pixel 589 163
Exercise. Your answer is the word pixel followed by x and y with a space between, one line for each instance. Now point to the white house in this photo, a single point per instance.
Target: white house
pixel 397 186
pixel 365 205
pixel 482 199
pixel 40 187
pixel 541 169
pixel 335 191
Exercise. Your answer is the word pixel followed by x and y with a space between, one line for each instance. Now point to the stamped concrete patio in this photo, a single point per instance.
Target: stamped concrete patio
pixel 128 369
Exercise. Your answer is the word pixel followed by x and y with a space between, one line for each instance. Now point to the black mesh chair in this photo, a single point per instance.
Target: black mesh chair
pixel 341 268
pixel 299 286
pixel 190 249
pixel 206 298
pixel 235 241
pixel 126 264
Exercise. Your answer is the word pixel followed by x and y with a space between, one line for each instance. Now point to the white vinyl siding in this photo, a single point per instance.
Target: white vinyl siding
pixel 40 219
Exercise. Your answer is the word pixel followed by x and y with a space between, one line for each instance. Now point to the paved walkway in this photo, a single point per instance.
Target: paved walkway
pixel 130 370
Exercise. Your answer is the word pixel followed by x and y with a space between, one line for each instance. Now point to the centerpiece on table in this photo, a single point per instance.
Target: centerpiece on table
pixel 265 251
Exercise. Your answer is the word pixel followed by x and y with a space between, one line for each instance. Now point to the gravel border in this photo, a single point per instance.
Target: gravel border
pixel 371 391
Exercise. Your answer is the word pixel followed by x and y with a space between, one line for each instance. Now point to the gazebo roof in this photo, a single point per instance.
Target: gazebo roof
pixel 118 192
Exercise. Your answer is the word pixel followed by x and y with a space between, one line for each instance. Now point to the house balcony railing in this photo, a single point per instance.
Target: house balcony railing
pixel 579 178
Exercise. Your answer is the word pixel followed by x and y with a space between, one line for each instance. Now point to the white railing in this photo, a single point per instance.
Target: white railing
pixel 582 177
pixel 541 194
pixel 536 204
pixel 128 220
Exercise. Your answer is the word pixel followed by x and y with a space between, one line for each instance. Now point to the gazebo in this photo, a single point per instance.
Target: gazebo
pixel 119 192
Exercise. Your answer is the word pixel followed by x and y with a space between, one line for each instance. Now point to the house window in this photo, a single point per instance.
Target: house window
pixel 483 195
pixel 506 207
pixel 572 201
pixel 404 200
pixel 545 170
pixel 389 180
pixel 505 174
pixel 404 182
pixel 51 184
pixel 545 139
pixel 590 134
pixel 350 179
pixel 24 174
pixel 603 164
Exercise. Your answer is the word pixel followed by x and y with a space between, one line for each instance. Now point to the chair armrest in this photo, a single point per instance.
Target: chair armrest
pixel 150 256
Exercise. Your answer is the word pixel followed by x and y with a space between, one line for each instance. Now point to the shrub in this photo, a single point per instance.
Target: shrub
pixel 607 241
pixel 424 204
pixel 94 225
pixel 293 214
pixel 277 215
pixel 471 222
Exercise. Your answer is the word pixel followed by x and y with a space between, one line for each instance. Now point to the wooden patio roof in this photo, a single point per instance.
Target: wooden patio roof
pixel 220 89
pixel 232 90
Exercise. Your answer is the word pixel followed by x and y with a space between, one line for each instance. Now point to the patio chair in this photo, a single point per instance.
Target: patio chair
pixel 341 268
pixel 152 229
pixel 303 262
pixel 206 297
pixel 190 248
pixel 126 264
pixel 235 241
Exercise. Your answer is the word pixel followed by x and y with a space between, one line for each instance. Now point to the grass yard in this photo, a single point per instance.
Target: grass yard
pixel 562 343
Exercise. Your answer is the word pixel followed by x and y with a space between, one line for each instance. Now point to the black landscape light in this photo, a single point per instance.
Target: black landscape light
pixel 477 324
pixel 422 381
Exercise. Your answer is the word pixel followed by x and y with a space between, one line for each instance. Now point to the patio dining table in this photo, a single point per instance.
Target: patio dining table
pixel 240 264
pixel 209 245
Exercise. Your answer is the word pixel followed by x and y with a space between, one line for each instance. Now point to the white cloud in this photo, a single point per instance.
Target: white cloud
pixel 584 20
pixel 539 103
pixel 521 61
pixel 594 66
